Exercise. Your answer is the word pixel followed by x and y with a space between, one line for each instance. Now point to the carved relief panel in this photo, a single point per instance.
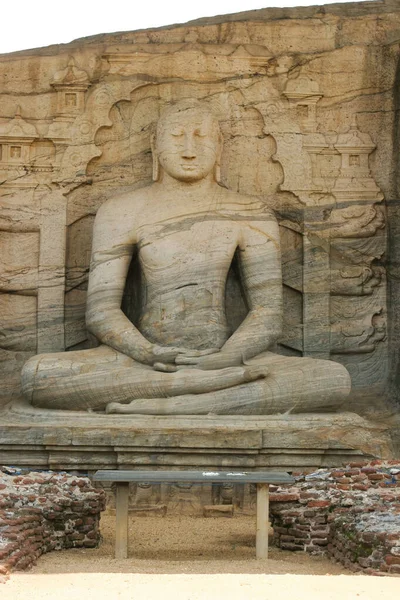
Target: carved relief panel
pixel 95 140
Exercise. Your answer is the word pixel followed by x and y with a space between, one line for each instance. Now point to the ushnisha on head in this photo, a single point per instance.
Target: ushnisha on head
pixel 188 143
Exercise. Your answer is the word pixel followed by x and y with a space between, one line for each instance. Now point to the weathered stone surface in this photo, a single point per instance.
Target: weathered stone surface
pixel 103 441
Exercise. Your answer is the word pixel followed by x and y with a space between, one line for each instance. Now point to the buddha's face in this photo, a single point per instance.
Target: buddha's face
pixel 188 144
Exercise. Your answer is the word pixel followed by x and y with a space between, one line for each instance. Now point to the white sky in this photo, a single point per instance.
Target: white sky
pixel 35 23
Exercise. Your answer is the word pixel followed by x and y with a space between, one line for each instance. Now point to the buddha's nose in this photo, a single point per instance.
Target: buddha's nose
pixel 188 148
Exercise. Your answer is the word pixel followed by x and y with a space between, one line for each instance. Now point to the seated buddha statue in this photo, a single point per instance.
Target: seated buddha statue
pixel 180 358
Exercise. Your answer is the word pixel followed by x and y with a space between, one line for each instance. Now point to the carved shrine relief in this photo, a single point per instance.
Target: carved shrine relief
pixel 70 84
pixel 303 94
pixel 16 138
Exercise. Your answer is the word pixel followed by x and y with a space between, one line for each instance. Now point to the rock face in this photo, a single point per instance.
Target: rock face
pixel 307 104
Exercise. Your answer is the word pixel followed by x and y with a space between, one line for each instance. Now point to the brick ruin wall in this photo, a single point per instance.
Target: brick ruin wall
pixel 352 514
pixel 45 511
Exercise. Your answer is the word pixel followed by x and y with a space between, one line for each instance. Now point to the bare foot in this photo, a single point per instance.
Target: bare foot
pixel 252 373
pixel 113 407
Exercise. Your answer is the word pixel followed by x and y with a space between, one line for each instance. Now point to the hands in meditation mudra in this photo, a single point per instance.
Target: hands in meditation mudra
pixel 180 359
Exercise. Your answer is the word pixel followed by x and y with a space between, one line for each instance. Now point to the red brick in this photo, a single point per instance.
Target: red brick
pixel 318 503
pixel 360 486
pixel 282 497
pixel 361 478
pixel 394 569
pixel 286 538
pixel 392 560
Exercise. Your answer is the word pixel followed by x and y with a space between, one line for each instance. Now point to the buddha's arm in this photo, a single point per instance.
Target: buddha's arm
pixel 261 278
pixel 112 250
pixel 113 244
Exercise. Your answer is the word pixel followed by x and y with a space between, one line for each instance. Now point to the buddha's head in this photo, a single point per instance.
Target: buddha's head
pixel 188 143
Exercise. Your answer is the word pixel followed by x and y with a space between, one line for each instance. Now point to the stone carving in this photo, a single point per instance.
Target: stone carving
pixel 227 494
pixel 145 499
pixel 16 138
pixel 183 498
pixel 180 357
pixel 70 84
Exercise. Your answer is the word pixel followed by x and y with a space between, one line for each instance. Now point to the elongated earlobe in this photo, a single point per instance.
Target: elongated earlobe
pixel 156 167
pixel 217 168
pixel 217 172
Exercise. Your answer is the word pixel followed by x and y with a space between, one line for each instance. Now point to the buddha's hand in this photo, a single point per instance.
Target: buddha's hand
pixel 167 359
pixel 214 359
pixel 170 354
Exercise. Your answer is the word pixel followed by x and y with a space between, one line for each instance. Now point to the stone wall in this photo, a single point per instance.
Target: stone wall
pixel 353 514
pixel 40 512
pixel 368 543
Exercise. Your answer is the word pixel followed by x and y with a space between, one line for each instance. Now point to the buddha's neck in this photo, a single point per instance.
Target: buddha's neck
pixel 184 189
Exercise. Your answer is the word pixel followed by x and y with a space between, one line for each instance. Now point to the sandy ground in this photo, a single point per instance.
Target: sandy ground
pixel 184 558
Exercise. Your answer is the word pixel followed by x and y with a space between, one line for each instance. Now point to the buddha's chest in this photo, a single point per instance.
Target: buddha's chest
pixel 188 244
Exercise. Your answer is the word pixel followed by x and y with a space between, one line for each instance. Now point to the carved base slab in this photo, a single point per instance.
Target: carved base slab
pixel 87 442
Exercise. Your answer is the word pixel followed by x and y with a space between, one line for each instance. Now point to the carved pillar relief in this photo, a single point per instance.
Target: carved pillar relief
pixel 343 224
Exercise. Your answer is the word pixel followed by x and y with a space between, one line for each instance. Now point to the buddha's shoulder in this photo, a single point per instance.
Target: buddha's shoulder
pixel 125 203
pixel 245 205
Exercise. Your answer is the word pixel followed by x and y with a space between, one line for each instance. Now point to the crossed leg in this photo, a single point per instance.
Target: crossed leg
pixel 92 379
pixel 104 379
pixel 295 385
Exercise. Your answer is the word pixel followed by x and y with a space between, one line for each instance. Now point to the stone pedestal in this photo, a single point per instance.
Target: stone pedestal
pixel 87 441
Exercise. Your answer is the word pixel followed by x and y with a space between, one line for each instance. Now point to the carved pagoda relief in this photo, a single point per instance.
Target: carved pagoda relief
pixel 16 139
pixel 70 84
